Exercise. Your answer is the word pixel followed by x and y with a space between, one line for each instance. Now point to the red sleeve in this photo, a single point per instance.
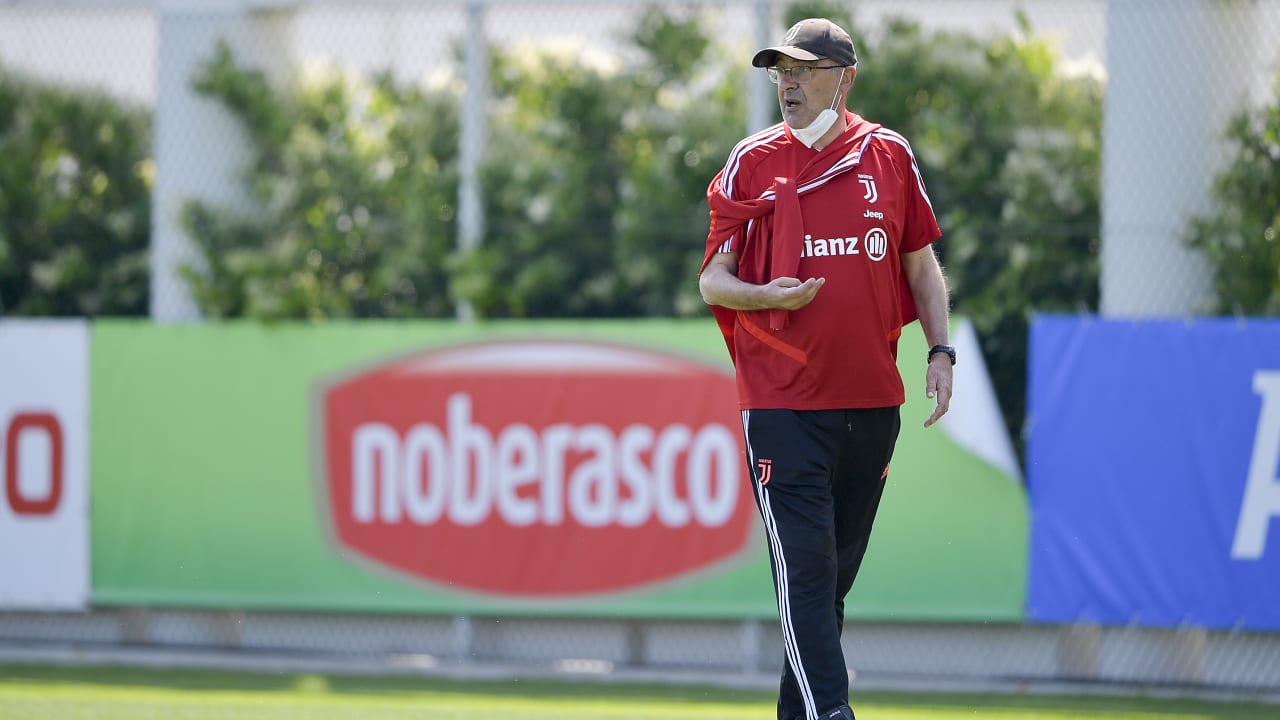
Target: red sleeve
pixel 919 224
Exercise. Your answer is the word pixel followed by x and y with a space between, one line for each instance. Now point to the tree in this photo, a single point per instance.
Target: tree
pixel 75 203
pixel 596 180
pixel 1242 238
pixel 1009 149
pixel 357 182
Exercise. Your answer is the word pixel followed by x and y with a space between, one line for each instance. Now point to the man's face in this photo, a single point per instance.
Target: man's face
pixel 801 102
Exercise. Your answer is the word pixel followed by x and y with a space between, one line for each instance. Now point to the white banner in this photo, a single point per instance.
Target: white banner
pixel 44 454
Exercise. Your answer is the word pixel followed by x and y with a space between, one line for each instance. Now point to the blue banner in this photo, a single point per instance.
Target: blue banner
pixel 1153 465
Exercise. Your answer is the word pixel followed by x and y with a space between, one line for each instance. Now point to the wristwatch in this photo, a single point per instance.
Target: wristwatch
pixel 950 351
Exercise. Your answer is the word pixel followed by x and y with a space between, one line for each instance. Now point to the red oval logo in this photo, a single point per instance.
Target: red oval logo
pixel 537 468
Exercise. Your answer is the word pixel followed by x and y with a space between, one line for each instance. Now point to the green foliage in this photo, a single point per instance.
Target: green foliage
pixel 836 12
pixel 1242 238
pixel 75 204
pixel 356 183
pixel 672 47
pixel 1009 149
pixel 594 189
pixel 602 212
pixel 662 222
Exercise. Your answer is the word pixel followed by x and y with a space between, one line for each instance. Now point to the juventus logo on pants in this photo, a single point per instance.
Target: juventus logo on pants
pixel 766 470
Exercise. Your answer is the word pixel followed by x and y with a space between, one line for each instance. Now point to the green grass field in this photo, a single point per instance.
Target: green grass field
pixel 88 693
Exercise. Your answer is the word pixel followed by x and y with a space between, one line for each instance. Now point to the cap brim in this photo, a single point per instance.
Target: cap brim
pixel 769 56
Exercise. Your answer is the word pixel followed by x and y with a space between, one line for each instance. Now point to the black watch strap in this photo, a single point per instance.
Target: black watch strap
pixel 950 351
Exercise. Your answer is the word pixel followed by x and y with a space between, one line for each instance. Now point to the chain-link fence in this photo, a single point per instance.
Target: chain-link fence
pixel 114 45
pixel 201 151
pixel 1219 57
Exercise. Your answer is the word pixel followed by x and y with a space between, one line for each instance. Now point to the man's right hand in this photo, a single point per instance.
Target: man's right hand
pixel 720 285
pixel 788 293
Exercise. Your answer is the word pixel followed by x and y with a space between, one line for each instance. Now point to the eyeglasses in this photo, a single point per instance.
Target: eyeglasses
pixel 801 73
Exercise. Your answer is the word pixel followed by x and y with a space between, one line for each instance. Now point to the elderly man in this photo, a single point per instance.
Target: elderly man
pixel 820 249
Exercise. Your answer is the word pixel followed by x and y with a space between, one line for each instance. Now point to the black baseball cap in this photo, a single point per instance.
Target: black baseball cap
pixel 812 39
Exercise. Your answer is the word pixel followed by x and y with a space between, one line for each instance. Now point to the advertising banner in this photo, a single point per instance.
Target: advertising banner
pixel 535 468
pixel 44 511
pixel 1154 471
pixel 568 468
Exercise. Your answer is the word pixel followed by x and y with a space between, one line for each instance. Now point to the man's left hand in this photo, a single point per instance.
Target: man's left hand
pixel 937 384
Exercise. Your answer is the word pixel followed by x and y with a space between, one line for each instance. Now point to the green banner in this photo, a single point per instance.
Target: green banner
pixel 246 465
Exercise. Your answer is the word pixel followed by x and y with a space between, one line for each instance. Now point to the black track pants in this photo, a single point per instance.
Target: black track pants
pixel 818 477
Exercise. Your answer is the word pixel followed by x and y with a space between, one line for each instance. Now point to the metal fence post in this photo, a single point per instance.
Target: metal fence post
pixel 200 148
pixel 473 135
pixel 760 97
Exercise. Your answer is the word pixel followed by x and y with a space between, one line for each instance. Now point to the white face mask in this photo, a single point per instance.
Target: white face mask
pixel 821 124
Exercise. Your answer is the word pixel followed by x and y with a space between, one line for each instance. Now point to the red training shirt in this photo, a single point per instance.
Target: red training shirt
pixel 839 351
